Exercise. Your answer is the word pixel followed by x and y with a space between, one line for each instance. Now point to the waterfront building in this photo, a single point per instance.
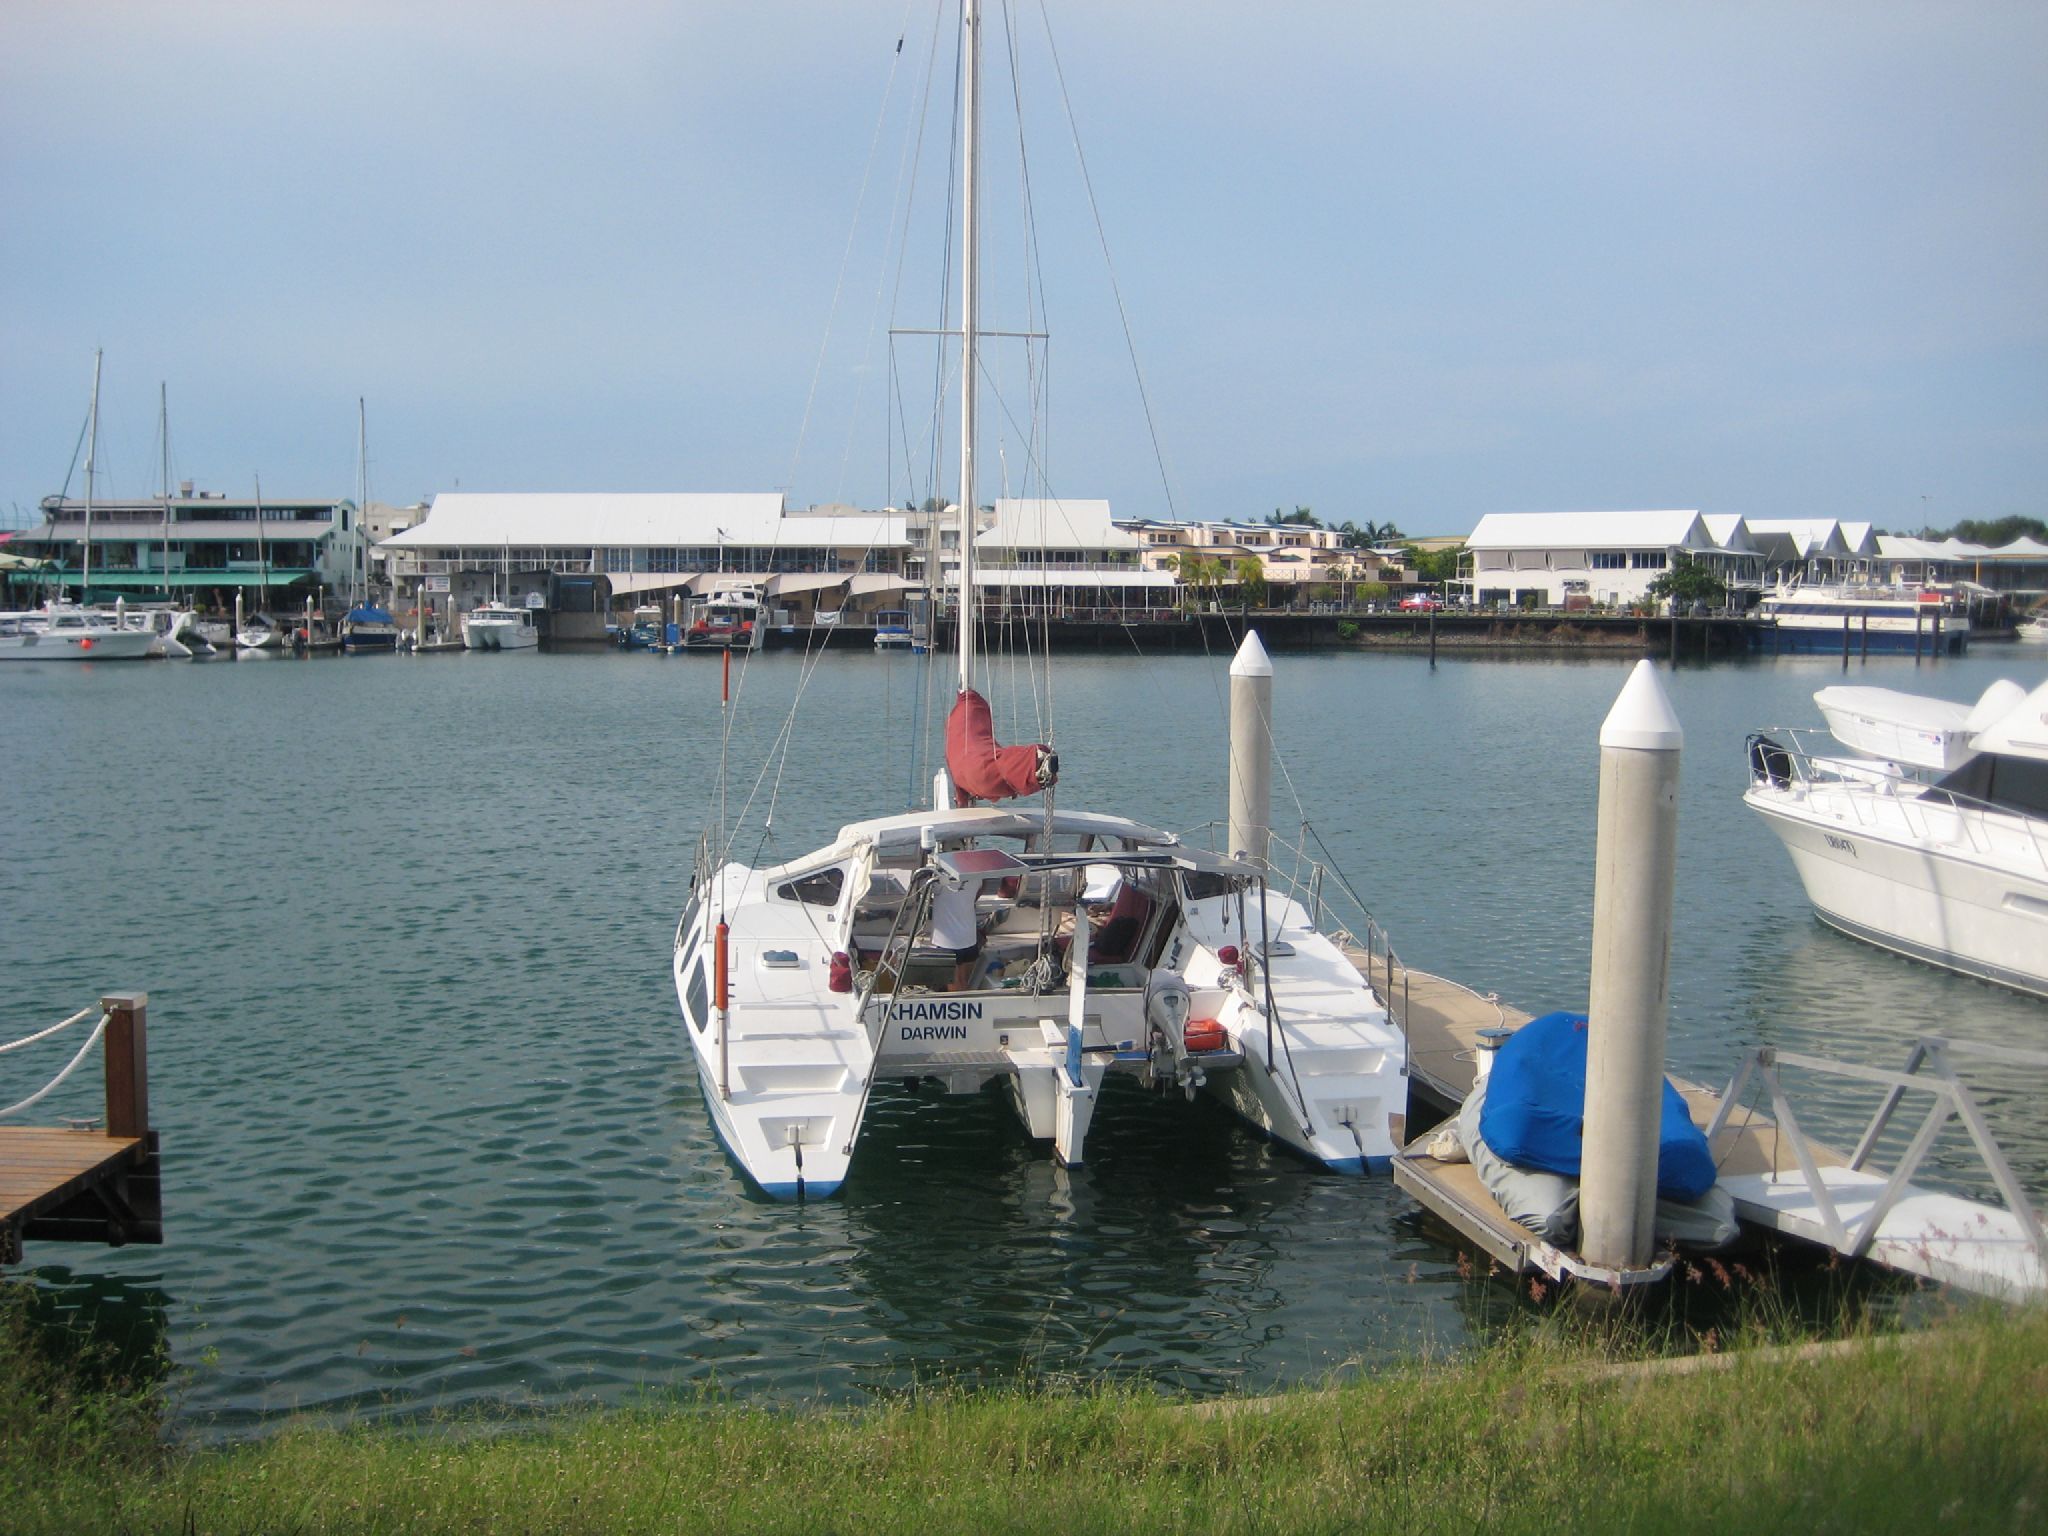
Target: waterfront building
pixel 650 546
pixel 1294 558
pixel 2018 570
pixel 197 546
pixel 1069 560
pixel 1818 551
pixel 1583 559
pixel 380 522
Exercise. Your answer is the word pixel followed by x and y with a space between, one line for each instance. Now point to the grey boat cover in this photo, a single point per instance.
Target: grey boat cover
pixel 1548 1203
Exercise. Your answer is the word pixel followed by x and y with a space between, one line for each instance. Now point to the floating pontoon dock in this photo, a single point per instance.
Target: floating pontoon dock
pixel 82 1185
pixel 1780 1180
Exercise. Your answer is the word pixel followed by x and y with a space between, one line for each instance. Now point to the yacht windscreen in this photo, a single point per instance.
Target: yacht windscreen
pixel 2016 784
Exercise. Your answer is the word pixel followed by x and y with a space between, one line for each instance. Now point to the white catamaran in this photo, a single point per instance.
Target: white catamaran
pixel 1043 947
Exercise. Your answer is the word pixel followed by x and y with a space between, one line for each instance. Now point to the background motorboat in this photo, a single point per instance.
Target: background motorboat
pixel 1935 844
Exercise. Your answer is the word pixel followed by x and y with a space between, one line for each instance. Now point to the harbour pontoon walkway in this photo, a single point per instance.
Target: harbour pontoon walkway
pixel 78 1185
pixel 1780 1180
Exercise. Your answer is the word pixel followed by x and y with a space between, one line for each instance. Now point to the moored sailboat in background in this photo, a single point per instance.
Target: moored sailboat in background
pixel 367 626
pixel 62 631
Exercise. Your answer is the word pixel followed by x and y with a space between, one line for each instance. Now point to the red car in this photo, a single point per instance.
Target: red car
pixel 1419 603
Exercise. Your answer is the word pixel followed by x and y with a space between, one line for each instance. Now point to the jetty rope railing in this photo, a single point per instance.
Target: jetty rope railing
pixel 70 1066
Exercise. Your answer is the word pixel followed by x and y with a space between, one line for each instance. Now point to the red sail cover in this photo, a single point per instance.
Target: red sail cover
pixel 982 770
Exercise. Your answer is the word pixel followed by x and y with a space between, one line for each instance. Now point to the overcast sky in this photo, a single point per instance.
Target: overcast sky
pixel 1410 262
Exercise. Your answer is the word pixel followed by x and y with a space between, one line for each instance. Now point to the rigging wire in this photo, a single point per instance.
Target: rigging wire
pixel 1115 288
pixel 814 647
pixel 845 259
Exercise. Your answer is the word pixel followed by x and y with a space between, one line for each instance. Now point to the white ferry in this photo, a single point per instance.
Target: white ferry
pixel 1890 619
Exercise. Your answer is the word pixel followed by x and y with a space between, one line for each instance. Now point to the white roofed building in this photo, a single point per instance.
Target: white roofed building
pixel 1813 549
pixel 2019 568
pixel 652 544
pixel 1580 559
pixel 1062 559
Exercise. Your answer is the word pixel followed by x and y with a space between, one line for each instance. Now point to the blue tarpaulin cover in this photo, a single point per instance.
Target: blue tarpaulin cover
pixel 1535 1109
pixel 370 615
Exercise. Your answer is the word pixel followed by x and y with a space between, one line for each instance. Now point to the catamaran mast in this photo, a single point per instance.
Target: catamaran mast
pixel 92 439
pixel 970 275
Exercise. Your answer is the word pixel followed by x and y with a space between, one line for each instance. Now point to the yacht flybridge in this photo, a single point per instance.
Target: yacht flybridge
pixel 1033 946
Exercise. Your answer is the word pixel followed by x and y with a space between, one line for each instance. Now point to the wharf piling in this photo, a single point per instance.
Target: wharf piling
pixel 1251 750
pixel 1635 875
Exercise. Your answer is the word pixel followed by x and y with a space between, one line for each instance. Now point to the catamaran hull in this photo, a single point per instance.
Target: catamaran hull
pixel 1931 903
pixel 498 637
pixel 818 1178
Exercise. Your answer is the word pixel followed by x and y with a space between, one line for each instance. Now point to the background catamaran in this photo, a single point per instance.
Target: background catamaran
pixel 1098 944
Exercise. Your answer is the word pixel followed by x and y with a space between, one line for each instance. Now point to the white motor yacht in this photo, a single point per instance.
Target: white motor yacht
pixel 1815 617
pixel 730 618
pixel 1938 848
pixel 260 633
pixel 892 630
pixel 69 634
pixel 499 627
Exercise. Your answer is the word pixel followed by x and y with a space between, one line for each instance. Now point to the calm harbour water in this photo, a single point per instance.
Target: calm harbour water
pixel 431 1135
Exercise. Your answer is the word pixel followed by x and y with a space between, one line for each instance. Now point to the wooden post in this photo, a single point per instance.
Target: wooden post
pixel 1863 640
pixel 127 1061
pixel 1432 635
pixel 1845 642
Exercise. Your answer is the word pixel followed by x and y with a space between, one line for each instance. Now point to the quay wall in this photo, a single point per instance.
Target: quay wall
pixel 1454 631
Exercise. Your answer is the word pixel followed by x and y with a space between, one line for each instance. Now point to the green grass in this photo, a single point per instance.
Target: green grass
pixel 1943 1430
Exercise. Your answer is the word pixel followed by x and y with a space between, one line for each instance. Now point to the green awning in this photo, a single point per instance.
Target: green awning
pixel 178 581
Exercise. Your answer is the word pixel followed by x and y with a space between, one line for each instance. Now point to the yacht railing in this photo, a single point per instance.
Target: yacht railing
pixel 1303 872
pixel 1868 787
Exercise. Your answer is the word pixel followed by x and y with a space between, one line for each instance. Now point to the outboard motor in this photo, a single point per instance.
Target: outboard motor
pixel 1168 1004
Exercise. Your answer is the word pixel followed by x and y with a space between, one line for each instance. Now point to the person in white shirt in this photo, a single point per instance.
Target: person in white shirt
pixel 954 928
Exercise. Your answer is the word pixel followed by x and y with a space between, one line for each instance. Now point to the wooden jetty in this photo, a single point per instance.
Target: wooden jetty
pixel 79 1185
pixel 1781 1180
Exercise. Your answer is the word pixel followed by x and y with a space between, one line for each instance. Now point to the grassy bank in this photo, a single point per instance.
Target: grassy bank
pixel 1946 1431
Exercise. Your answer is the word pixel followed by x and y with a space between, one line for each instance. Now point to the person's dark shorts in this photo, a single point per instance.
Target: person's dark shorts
pixel 962 956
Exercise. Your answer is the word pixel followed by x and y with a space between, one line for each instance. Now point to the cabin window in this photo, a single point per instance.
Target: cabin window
pixel 697 998
pixel 819 890
pixel 1200 885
